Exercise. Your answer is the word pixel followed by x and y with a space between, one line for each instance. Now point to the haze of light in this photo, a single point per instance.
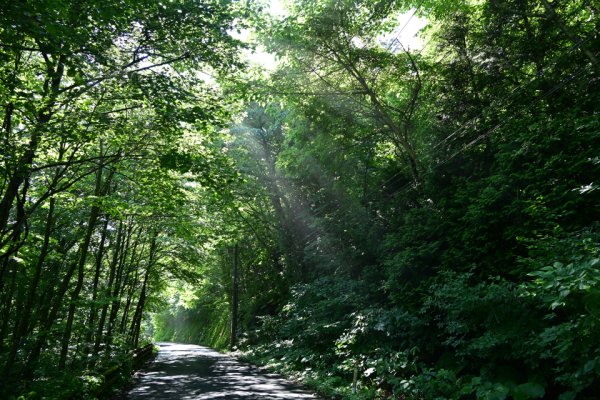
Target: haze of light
pixel 406 33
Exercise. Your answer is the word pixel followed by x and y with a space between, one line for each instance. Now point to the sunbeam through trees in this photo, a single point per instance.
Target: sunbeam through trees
pixel 377 215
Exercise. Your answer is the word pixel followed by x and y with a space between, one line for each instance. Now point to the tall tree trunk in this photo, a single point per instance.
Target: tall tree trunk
pixel 22 324
pixel 93 307
pixel 119 244
pixel 21 327
pixel 95 211
pixel 131 265
pixel 7 300
pixel 116 302
pixel 22 171
pixel 139 309
pixel 99 191
pixel 10 265
pixel 48 316
pixel 234 298
pixel 130 293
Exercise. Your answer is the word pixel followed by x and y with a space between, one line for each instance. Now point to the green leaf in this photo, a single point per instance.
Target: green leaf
pixel 498 392
pixel 567 396
pixel 529 390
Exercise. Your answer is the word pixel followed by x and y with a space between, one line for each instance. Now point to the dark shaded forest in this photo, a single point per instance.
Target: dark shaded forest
pixel 380 220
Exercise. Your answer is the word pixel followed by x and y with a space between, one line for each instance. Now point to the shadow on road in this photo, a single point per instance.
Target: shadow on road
pixel 186 372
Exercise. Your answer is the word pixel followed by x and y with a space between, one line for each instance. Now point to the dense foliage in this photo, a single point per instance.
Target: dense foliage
pixel 428 217
pixel 422 221
pixel 107 135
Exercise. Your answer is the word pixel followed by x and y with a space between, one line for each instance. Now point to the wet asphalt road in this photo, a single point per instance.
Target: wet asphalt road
pixel 186 372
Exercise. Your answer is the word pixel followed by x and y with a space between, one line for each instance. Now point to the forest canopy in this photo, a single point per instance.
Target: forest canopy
pixel 381 218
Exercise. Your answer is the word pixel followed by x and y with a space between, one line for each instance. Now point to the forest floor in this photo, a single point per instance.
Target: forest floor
pixel 185 372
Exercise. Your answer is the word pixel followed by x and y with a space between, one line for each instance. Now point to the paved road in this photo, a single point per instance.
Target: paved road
pixel 186 372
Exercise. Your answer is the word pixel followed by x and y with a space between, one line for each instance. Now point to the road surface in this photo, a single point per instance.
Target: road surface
pixel 186 372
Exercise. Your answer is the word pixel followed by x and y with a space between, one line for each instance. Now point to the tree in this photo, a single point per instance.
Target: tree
pixel 97 98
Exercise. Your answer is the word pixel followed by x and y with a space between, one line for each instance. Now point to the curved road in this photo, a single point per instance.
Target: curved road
pixel 186 372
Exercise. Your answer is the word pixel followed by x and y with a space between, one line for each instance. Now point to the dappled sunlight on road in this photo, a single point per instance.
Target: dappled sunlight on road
pixel 187 372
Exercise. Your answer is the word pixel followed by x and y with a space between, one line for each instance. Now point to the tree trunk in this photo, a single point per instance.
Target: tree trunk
pixel 75 294
pixel 22 171
pixel 10 265
pixel 116 302
pixel 119 243
pixel 99 191
pixel 23 323
pixel 133 262
pixel 97 272
pixel 130 293
pixel 139 309
pixel 234 298
pixel 49 314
